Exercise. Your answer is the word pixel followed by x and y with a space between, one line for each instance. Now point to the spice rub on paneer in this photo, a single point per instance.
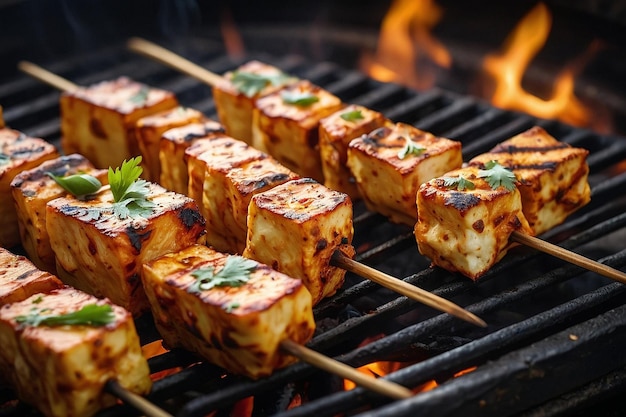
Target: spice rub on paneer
pixel 390 163
pixel 463 224
pixel 100 247
pixel 60 368
pixel 228 188
pixel 20 278
pixel 285 124
pixel 172 146
pixel 232 311
pixel 32 190
pixel 229 150
pixel 552 175
pixel 336 132
pixel 296 227
pixel 98 121
pixel 18 152
pixel 236 93
pixel 148 132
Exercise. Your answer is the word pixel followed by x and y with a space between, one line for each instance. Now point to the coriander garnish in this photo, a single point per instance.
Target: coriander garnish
pixel 460 183
pixel 89 315
pixel 141 97
pixel 410 148
pixel 298 98
pixel 130 194
pixel 4 158
pixel 251 84
pixel 352 116
pixel 235 272
pixel 231 306
pixel 497 175
pixel 79 185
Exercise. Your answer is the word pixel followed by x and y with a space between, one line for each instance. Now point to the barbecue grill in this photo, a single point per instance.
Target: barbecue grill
pixel 556 333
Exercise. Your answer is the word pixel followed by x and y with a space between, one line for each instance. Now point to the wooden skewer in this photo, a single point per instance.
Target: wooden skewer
pixel 404 288
pixel 46 76
pixel 173 60
pixel 380 386
pixel 140 403
pixel 569 256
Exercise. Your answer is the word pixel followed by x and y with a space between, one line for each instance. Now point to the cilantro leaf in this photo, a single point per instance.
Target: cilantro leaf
pixel 460 183
pixel 496 175
pixel 235 272
pixel 251 84
pixel 122 178
pixel 231 306
pixel 90 315
pixel 298 98
pixel 352 116
pixel 141 97
pixel 410 148
pixel 4 158
pixel 79 185
pixel 129 192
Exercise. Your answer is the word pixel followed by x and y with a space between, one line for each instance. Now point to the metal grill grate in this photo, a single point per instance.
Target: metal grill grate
pixel 554 329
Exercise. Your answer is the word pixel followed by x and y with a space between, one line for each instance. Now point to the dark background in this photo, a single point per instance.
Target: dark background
pixel 46 31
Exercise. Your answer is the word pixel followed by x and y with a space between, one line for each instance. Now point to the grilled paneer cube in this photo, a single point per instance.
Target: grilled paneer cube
pixel 62 369
pixel 18 153
pixel 336 133
pixel 172 146
pixel 296 227
pixel 98 121
pixel 463 226
pixel 148 132
pixel 552 175
pixel 228 189
pixel 231 152
pixel 19 278
pixel 285 124
pixel 390 163
pixel 236 94
pixel 100 252
pixel 32 189
pixel 238 326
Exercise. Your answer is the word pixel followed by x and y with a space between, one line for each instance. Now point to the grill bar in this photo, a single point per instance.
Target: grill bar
pixel 531 301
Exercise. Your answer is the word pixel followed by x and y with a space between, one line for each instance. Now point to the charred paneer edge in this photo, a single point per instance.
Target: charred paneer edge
pixel 148 132
pixel 466 228
pixel 296 227
pixel 390 163
pixel 18 152
pixel 102 254
pixel 172 146
pixel 98 121
pixel 239 328
pixel 20 278
pixel 336 132
pixel 229 184
pixel 32 190
pixel 285 124
pixel 236 94
pixel 62 369
pixel 552 175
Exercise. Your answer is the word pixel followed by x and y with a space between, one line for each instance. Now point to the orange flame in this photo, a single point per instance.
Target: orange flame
pixel 507 69
pixel 405 39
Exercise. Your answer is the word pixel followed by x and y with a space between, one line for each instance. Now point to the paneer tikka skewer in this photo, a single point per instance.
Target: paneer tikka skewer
pixel 152 50
pixel 286 338
pixel 383 279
